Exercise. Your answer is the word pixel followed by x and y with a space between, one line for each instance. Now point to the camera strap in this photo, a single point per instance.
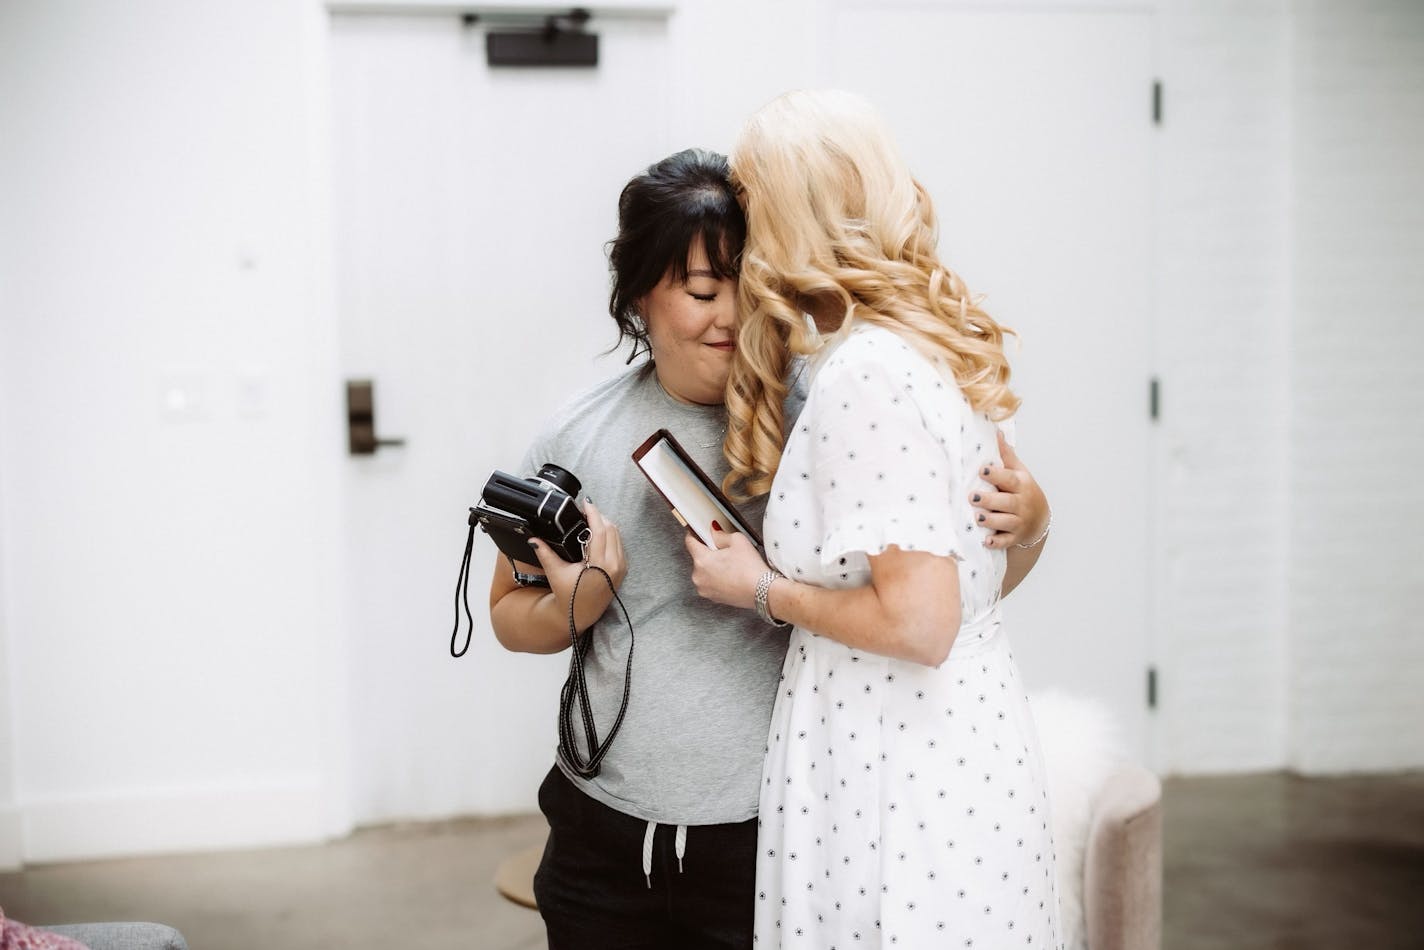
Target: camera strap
pixel 462 592
pixel 576 688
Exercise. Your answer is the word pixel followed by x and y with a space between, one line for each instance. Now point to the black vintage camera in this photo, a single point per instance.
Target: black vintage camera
pixel 512 510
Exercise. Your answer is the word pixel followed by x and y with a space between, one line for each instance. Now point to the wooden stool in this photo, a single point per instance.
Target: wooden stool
pixel 514 878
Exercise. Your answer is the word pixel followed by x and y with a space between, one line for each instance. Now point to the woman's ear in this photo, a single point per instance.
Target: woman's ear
pixel 637 311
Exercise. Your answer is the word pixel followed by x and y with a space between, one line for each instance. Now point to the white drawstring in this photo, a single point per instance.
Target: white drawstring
pixel 680 846
pixel 648 852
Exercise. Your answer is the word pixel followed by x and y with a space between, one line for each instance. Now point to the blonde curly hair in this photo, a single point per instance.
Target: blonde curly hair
pixel 836 222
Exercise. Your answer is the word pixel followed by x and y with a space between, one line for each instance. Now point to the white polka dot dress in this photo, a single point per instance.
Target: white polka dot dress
pixel 902 806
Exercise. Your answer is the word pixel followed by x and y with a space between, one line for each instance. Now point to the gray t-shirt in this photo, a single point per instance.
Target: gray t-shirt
pixel 704 676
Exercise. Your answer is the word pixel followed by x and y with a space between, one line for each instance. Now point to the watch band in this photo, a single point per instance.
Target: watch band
pixel 527 580
pixel 763 591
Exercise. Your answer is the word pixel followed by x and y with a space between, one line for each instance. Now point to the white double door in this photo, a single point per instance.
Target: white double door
pixel 472 209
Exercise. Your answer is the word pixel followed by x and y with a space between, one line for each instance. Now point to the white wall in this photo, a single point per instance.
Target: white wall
pixel 169 589
pixel 11 853
pixel 1357 387
pixel 171 641
pixel 734 56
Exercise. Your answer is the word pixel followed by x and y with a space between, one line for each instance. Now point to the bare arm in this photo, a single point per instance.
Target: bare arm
pixel 1020 562
pixel 909 610
pixel 536 619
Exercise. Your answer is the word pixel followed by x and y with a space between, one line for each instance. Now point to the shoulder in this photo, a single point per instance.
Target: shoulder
pixel 630 383
pixel 875 356
pixel 584 410
pixel 877 367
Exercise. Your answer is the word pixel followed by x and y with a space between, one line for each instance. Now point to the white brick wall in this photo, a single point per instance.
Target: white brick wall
pixel 1222 281
pixel 1356 671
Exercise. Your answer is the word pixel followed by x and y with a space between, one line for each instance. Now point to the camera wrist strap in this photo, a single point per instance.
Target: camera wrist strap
pixel 576 688
pixel 462 592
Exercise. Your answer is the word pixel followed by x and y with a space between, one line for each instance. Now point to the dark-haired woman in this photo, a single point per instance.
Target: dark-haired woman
pixel 658 848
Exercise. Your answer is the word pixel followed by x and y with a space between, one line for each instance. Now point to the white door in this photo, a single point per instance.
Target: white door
pixel 472 208
pixel 1032 131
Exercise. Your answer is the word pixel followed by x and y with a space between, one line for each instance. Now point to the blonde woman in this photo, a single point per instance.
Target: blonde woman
pixel 902 801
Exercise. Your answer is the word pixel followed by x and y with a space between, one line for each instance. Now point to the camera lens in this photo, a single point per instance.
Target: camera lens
pixel 561 479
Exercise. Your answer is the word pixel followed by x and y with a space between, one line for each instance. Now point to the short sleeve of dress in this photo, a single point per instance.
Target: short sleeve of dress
pixel 885 446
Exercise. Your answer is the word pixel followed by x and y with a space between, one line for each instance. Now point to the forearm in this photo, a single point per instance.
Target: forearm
pixel 527 621
pixel 863 619
pixel 536 620
pixel 1020 562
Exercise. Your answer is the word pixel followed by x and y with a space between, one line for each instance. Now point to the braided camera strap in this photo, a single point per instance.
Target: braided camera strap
pixel 462 592
pixel 576 688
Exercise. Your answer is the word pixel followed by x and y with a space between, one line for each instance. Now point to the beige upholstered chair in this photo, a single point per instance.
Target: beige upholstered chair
pixel 1122 866
pixel 514 878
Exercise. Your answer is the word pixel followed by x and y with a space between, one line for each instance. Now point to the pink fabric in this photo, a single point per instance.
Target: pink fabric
pixel 17 936
pixel 1122 888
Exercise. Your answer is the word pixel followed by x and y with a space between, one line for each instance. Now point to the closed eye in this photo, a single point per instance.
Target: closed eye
pixel 705 297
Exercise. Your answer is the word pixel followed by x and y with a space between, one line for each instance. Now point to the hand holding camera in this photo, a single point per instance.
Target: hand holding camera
pixel 604 548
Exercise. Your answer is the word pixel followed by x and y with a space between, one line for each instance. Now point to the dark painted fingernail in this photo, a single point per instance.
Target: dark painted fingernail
pixel 975 498
pixel 986 470
pixel 716 526
pixel 981 519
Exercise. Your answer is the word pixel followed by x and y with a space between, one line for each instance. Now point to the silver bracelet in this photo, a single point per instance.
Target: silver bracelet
pixel 763 590
pixel 1039 540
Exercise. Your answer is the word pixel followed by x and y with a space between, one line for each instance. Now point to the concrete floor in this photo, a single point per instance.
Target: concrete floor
pixel 1278 862
pixel 1261 862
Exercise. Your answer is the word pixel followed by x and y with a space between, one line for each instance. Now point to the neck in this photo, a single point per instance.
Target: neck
pixel 677 395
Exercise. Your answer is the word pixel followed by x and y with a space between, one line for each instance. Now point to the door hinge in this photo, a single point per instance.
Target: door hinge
pixel 1156 102
pixel 1154 399
pixel 1152 687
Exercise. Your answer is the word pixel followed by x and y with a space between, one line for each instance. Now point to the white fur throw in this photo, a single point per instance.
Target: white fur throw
pixel 1082 746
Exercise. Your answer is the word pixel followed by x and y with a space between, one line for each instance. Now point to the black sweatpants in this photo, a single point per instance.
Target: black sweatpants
pixel 593 894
